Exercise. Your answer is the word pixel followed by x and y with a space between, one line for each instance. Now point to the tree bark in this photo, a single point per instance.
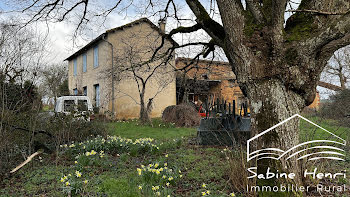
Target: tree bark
pixel 277 66
pixel 144 110
pixel 271 103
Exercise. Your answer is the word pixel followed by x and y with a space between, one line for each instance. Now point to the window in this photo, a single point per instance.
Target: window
pixel 97 95
pixel 75 91
pixel 82 105
pixel 84 62
pixel 75 67
pixel 95 56
pixel 85 90
pixel 69 105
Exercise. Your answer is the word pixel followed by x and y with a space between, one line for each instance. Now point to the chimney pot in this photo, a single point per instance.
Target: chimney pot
pixel 162 23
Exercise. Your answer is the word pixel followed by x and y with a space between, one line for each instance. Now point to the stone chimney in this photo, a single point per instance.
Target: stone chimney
pixel 162 23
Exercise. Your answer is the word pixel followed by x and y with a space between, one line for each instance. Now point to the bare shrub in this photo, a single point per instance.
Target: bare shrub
pixel 25 133
pixel 238 171
pixel 183 115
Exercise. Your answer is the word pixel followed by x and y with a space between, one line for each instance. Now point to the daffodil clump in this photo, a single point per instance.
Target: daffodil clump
pixel 91 158
pixel 74 183
pixel 77 179
pixel 95 153
pixel 158 178
pixel 205 191
pixel 113 145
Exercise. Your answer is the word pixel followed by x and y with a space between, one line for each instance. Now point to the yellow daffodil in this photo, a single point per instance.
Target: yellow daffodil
pixel 139 171
pixel 78 174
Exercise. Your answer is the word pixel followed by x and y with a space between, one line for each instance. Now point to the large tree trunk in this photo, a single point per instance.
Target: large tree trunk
pixel 271 103
pixel 145 110
pixel 277 64
pixel 144 116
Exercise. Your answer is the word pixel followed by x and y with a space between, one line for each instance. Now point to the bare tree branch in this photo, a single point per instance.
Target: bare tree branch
pixel 255 8
pixel 213 28
pixel 318 12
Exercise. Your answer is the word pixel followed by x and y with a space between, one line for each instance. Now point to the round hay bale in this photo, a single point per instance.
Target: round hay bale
pixel 183 115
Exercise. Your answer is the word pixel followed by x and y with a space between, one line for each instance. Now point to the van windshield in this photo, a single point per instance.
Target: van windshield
pixel 69 105
pixel 82 105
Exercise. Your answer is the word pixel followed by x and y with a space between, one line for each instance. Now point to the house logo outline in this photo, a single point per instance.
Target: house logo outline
pixel 283 153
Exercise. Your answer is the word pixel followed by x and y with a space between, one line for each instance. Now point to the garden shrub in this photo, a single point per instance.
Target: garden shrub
pixel 25 133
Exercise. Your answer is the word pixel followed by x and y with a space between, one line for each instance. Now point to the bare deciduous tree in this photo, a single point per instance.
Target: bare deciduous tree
pixel 53 77
pixel 21 53
pixel 339 67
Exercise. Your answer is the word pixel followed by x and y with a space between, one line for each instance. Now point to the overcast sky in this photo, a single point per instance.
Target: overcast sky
pixel 60 35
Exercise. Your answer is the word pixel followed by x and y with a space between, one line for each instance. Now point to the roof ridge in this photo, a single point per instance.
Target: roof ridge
pixel 143 19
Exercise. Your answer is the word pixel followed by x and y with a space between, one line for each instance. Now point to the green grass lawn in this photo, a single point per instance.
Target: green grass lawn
pixel 159 131
pixel 309 131
pixel 116 174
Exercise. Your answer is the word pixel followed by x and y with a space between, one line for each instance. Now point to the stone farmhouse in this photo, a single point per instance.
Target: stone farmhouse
pixel 90 70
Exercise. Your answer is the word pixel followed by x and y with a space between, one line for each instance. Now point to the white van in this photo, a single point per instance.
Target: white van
pixel 79 104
